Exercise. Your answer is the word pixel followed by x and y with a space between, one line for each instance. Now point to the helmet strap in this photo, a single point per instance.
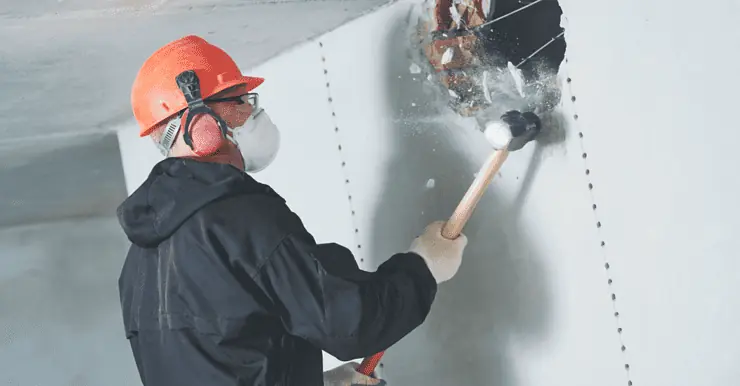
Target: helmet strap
pixel 168 137
pixel 189 85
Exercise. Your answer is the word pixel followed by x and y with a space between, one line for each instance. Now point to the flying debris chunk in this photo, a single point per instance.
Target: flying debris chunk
pixel 516 74
pixel 447 56
pixel 455 15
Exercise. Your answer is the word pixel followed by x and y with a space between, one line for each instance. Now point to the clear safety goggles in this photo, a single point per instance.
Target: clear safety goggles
pixel 252 98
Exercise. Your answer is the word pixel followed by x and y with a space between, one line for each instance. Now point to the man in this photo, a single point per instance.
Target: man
pixel 223 285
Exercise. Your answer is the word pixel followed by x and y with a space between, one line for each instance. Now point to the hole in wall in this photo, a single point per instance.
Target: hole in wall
pixel 474 54
pixel 531 38
pixel 529 26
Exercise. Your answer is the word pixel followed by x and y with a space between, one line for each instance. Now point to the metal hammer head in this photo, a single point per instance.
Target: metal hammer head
pixel 514 130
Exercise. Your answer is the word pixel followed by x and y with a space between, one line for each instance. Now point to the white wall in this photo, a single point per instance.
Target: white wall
pixel 656 90
pixel 60 318
pixel 537 297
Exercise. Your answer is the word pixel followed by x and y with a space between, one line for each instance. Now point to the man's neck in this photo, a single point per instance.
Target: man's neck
pixel 231 157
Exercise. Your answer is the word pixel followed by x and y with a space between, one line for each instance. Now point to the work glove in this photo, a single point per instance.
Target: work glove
pixel 347 375
pixel 443 256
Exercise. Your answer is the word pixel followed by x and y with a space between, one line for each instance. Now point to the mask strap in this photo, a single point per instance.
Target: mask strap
pixel 189 85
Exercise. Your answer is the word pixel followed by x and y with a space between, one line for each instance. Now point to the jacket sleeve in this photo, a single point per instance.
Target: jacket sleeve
pixel 322 296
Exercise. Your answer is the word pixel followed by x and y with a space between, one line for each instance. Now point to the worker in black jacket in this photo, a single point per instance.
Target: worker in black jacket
pixel 223 285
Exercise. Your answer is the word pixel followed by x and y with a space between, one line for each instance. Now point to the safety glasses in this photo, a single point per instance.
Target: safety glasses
pixel 251 98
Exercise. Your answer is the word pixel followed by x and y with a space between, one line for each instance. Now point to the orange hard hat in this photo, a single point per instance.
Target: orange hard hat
pixel 155 95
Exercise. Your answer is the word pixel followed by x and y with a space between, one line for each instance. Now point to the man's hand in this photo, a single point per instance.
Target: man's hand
pixel 347 375
pixel 443 256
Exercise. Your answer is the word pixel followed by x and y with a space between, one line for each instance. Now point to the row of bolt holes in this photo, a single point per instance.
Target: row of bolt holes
pixel 346 181
pixel 603 243
pixel 339 147
pixel 336 130
pixel 588 171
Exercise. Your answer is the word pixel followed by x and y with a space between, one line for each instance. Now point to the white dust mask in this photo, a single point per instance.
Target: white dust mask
pixel 258 140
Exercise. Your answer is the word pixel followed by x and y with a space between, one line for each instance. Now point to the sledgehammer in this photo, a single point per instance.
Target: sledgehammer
pixel 510 133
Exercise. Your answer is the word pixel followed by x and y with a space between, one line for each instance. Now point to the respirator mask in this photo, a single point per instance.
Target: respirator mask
pixel 258 139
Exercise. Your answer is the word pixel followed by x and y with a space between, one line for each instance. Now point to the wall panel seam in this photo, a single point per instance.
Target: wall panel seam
pixel 598 223
pixel 340 149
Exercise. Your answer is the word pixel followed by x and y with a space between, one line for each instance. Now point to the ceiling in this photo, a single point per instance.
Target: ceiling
pixel 67 68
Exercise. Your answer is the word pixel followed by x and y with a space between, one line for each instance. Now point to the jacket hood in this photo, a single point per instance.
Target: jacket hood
pixel 175 189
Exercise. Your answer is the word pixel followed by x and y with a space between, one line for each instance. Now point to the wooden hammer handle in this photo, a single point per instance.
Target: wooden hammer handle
pixel 465 208
pixel 456 223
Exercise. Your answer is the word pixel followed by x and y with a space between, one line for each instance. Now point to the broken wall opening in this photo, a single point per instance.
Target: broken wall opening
pixel 486 53
pixel 526 33
pixel 526 37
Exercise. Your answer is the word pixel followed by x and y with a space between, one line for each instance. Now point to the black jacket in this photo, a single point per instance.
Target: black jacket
pixel 223 286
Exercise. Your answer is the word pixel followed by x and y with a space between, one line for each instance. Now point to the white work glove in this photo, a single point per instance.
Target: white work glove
pixel 443 256
pixel 347 375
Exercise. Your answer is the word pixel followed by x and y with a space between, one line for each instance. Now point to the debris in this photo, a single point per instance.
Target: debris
pixel 447 56
pixel 518 79
pixel 430 183
pixel 486 91
pixel 455 16
pixel 414 68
